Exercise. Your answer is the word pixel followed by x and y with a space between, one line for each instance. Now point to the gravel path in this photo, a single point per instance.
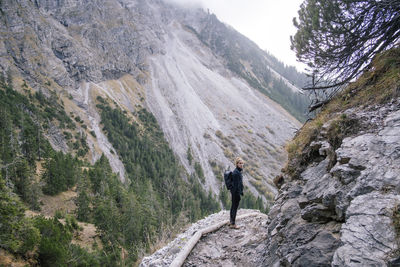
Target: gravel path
pixel 229 247
pixel 224 247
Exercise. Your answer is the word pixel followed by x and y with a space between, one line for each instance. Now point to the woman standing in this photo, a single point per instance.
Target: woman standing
pixel 236 190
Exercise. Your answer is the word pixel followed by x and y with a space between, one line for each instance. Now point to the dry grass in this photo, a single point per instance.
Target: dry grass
pixel 39 169
pixel 9 260
pixel 226 141
pixel 377 86
pixel 229 154
pixel 87 237
pixel 253 170
pixel 262 189
pixel 63 202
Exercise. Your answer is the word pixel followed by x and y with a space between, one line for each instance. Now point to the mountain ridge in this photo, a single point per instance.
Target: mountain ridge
pixel 108 52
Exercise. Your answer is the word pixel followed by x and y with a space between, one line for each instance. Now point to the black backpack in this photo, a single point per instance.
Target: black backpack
pixel 228 179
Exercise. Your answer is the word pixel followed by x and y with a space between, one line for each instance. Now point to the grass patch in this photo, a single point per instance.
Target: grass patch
pixel 262 189
pixel 199 172
pixel 252 170
pixel 377 86
pixel 229 154
pixel 341 127
pixel 226 141
pixel 217 170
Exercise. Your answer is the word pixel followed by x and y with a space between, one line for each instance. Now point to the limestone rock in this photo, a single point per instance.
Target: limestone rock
pixel 345 214
pixel 368 235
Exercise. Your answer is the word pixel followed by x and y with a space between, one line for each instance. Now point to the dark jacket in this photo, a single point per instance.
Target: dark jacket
pixel 237 182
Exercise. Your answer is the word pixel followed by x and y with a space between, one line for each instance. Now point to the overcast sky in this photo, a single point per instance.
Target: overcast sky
pixel 266 22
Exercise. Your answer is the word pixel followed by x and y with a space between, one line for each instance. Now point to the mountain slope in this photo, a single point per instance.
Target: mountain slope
pixel 149 54
pixel 200 108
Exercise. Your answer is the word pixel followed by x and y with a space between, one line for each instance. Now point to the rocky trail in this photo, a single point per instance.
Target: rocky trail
pixel 229 247
pixel 222 247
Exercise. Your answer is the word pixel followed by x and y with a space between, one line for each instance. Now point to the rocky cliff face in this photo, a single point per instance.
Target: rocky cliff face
pixel 342 215
pixel 158 56
pixel 339 198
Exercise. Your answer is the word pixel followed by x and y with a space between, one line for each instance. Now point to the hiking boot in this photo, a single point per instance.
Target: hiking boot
pixel 234 226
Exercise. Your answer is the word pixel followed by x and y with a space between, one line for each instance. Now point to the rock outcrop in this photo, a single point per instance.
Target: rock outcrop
pixel 342 215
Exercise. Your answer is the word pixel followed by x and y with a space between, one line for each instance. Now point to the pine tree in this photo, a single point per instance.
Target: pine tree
pixel 189 155
pixel 17 234
pixel 83 204
pixel 338 38
pixel 9 78
pixel 2 80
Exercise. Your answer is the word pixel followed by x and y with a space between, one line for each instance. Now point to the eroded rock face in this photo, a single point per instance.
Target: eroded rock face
pixel 342 215
pixel 367 235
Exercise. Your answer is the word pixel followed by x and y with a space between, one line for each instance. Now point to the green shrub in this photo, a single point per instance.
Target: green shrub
pixel 199 172
pixel 189 155
pixel 60 174
pixel 53 247
pixel 17 234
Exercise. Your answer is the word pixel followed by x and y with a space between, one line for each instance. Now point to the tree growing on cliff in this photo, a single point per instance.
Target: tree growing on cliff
pixel 338 38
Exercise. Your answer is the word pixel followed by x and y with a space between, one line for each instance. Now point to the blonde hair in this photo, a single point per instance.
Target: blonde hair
pixel 237 160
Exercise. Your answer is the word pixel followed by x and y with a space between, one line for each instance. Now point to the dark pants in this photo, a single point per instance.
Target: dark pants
pixel 234 207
